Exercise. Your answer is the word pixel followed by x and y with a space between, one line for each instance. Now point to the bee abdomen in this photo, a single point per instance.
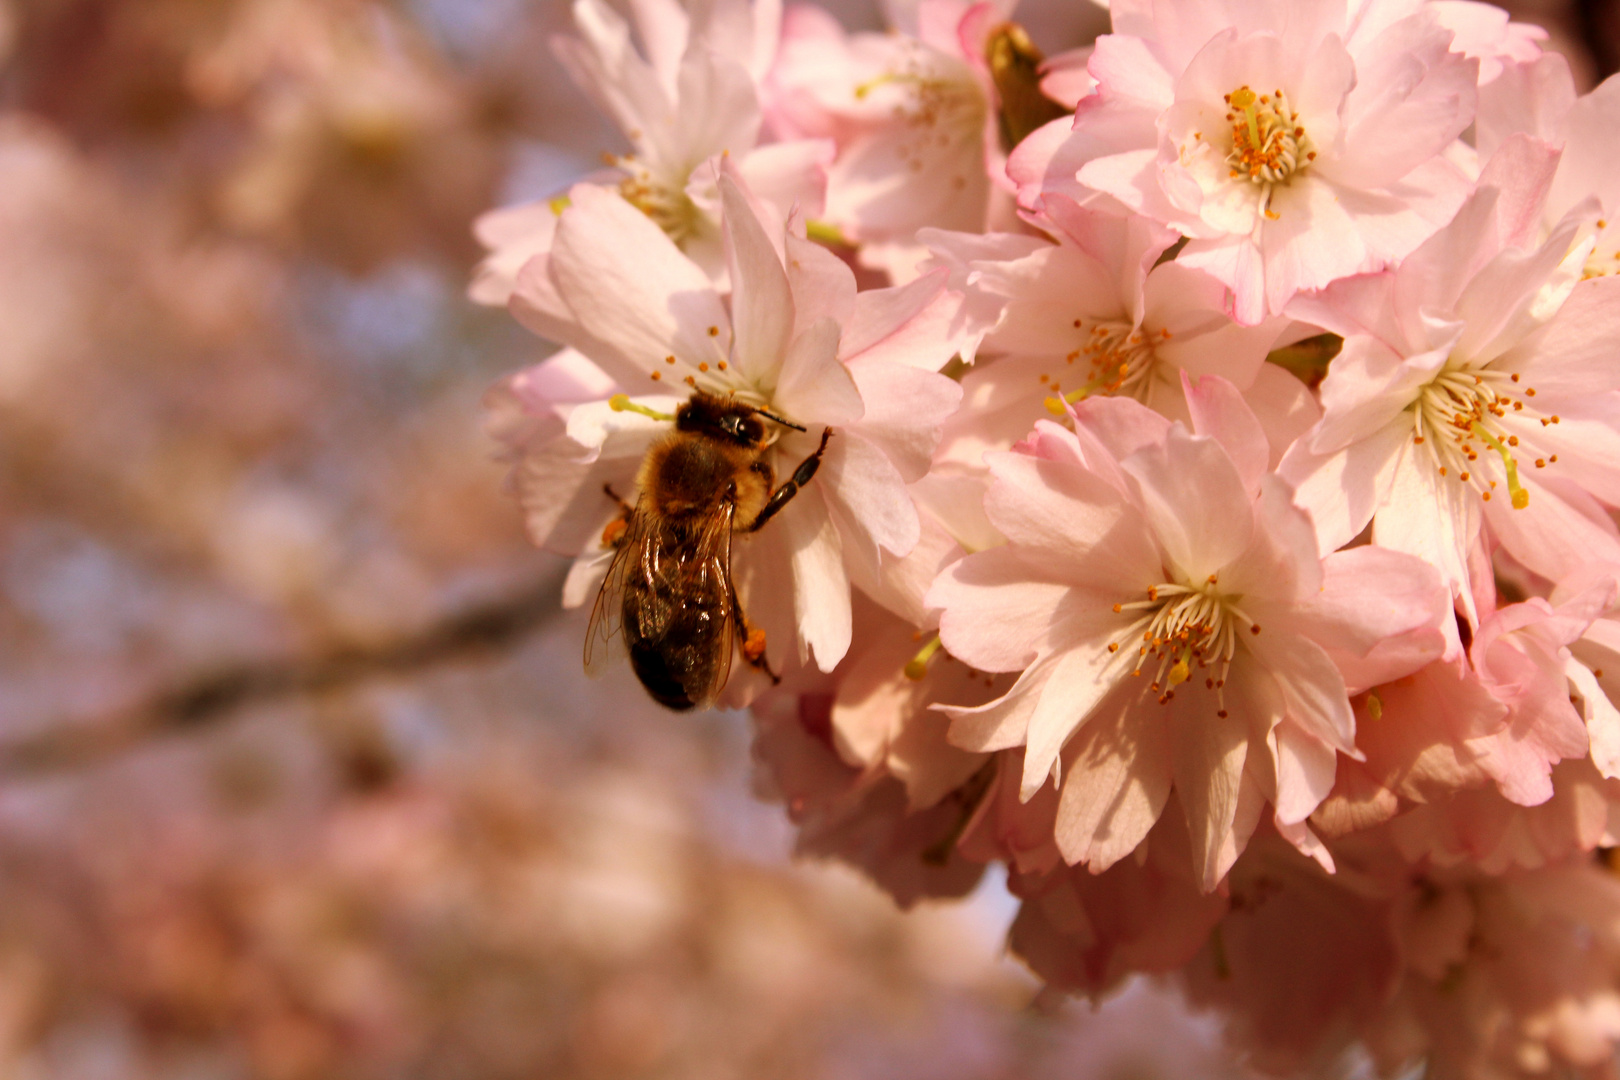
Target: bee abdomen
pixel 680 659
pixel 657 674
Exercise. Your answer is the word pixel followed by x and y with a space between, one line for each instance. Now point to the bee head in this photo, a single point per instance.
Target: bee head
pixel 721 418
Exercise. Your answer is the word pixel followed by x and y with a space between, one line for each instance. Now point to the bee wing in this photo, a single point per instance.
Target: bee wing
pixel 604 633
pixel 712 560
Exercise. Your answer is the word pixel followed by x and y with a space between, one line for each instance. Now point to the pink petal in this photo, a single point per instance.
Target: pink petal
pixel 871 504
pixel 1434 518
pixel 1285 408
pixel 819 579
pixel 1341 490
pixel 1047 160
pixel 1195 502
pixel 1003 723
pixel 1371 596
pixel 761 303
pixel 900 584
pixel 1312 242
pixel 515 234
pixel 1119 427
pixel 812 385
pixel 789 175
pixel 1412 98
pixel 1562 530
pixel 1082 677
pixel 1305 771
pixel 1220 413
pixel 645 307
pixel 1207 756
pixel 1533 98
pixel 1573 353
pixel 719 110
pixel 605 65
pixel 1236 262
pixel 1069 524
pixel 1310 685
pixel 996 616
pixel 1602 718
pixel 882 313
pixel 905 412
pixel 539 308
pixel 1587 167
pixel 1117 780
pixel 822 284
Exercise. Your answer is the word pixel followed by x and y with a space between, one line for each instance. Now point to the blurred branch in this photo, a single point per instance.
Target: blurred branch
pixel 212 698
pixel 1599 24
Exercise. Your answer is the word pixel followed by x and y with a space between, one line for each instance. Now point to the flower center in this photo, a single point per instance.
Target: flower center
pixel 942 112
pixel 1461 411
pixel 1600 264
pixel 1118 358
pixel 1183 627
pixel 1268 144
pixel 670 208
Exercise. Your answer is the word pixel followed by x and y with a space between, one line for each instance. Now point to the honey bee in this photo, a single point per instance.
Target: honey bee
pixel 668 591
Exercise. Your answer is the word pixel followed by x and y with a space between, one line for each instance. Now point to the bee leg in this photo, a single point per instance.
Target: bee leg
pixel 614 531
pixel 801 476
pixel 753 644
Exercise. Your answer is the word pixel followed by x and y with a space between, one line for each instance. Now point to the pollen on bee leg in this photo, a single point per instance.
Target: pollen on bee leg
pixel 614 532
pixel 753 648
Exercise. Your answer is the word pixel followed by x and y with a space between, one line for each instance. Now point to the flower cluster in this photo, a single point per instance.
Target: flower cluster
pixel 1218 525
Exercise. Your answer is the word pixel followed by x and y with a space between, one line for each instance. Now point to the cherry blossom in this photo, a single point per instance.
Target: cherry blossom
pixel 1292 144
pixel 1539 99
pixel 798 341
pixel 692 99
pixel 1469 394
pixel 1122 321
pixel 912 113
pixel 1139 552
pixel 1221 537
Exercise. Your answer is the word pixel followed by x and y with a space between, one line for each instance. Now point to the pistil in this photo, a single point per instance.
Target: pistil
pixel 1463 406
pixel 667 204
pixel 1269 146
pixel 1183 627
pixel 1120 360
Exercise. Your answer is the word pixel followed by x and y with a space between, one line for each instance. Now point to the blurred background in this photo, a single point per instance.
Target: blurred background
pixel 299 774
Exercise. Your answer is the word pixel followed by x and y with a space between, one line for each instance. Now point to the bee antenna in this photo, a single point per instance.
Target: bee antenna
pixel 779 420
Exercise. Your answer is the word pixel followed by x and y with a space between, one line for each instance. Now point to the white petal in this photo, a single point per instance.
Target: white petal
pixel 820 585
pixel 761 304
pixel 813 387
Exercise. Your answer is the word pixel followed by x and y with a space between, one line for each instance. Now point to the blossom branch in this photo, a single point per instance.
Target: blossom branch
pixel 206 700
